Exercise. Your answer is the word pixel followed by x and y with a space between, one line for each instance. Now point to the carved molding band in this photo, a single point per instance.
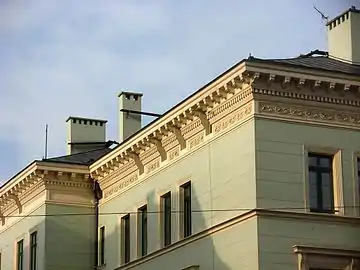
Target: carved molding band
pixel 233 118
pixel 298 112
pixel 307 96
pixel 121 185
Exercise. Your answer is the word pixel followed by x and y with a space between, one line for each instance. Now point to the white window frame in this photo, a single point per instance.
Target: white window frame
pixel 327 258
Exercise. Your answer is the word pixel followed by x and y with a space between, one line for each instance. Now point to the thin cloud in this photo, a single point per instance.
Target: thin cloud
pixel 62 58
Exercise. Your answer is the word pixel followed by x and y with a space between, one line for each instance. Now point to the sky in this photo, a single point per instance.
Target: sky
pixel 66 58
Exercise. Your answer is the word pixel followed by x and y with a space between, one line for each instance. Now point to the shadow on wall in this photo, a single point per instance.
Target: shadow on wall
pixel 69 242
pixel 181 254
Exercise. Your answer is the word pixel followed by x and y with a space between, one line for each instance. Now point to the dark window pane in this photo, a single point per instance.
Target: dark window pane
pixel 126 238
pixel 143 230
pixel 321 194
pixel 187 209
pixel 33 247
pixel 102 246
pixel 312 161
pixel 20 255
pixel 166 204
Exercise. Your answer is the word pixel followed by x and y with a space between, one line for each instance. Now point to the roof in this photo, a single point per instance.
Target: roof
pixel 322 62
pixel 83 158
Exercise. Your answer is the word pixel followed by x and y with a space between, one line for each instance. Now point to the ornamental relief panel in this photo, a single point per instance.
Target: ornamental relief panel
pixel 153 166
pixel 233 118
pixel 174 153
pixel 198 139
pixel 120 185
pixel 299 112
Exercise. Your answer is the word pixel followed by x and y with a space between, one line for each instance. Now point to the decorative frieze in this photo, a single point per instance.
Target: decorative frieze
pixel 174 153
pixel 308 113
pixel 196 140
pixel 153 166
pixel 120 185
pixel 233 118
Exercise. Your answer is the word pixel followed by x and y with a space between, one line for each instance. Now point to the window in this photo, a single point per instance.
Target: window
pixel 166 218
pixel 186 211
pixel 320 258
pixel 20 255
pixel 33 246
pixel 321 190
pixel 125 224
pixel 358 173
pixel 142 229
pixel 102 246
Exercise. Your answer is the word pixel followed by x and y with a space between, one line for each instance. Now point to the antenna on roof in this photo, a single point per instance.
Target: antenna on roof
pixel 46 141
pixel 322 15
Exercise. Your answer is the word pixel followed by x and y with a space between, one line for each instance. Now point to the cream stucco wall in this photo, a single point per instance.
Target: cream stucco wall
pixel 224 166
pixel 281 170
pixel 21 229
pixel 231 248
pixel 277 236
pixel 280 183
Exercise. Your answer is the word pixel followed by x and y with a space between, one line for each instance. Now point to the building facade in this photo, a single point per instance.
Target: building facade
pixel 259 169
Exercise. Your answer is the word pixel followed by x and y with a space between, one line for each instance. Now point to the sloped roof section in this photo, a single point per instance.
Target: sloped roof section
pixel 84 158
pixel 315 62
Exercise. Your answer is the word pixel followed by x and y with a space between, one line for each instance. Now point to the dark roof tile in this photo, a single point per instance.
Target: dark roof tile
pixel 84 158
pixel 315 62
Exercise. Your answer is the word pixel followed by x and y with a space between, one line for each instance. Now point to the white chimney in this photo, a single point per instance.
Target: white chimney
pixel 344 36
pixel 85 134
pixel 129 119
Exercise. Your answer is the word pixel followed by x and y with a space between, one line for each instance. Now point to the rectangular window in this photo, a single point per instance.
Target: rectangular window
pixel 102 246
pixel 20 255
pixel 142 229
pixel 166 218
pixel 321 190
pixel 186 205
pixel 358 168
pixel 33 247
pixel 125 237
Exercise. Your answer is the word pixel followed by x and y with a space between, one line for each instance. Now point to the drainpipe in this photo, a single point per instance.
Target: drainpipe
pixel 97 196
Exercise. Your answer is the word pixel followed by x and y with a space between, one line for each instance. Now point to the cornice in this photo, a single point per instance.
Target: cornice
pixel 38 175
pixel 222 104
pixel 195 108
pixel 308 114
pixel 303 73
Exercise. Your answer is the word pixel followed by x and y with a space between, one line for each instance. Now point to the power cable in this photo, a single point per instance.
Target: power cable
pixel 174 212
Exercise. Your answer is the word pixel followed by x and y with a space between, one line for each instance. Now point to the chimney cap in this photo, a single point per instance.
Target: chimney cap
pixel 85 119
pixel 130 93
pixel 351 9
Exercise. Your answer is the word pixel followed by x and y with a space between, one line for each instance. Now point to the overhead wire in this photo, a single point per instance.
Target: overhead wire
pixel 176 211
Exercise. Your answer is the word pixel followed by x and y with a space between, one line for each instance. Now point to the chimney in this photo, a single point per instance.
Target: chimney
pixel 129 122
pixel 84 134
pixel 344 36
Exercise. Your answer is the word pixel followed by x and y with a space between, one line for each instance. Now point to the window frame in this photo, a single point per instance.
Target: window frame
pixel 125 239
pixel 33 250
pixel 102 232
pixel 20 254
pixel 186 209
pixel 357 188
pixel 311 257
pixel 318 169
pixel 166 216
pixel 142 230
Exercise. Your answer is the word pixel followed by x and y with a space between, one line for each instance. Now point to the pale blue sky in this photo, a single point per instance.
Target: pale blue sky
pixel 62 58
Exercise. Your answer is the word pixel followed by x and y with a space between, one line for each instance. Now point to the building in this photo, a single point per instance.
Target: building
pixel 259 169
